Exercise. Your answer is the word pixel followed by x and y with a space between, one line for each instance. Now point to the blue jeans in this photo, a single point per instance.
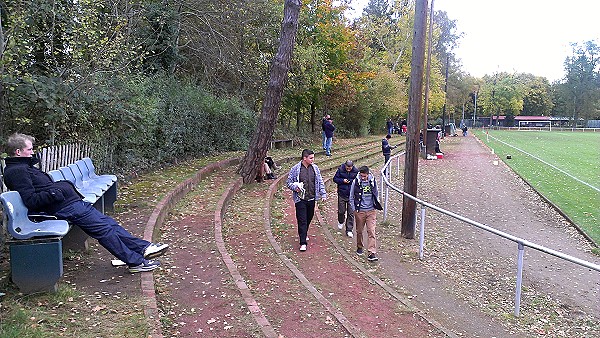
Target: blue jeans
pixel 324 140
pixel 106 230
pixel 305 210
pixel 328 142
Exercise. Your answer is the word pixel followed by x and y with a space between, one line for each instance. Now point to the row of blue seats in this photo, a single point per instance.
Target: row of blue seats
pixel 99 190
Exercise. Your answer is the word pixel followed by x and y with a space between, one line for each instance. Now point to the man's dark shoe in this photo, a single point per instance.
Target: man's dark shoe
pixel 359 251
pixel 372 257
pixel 147 265
pixel 155 249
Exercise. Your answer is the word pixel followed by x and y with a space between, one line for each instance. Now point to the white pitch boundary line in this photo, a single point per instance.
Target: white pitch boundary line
pixel 546 163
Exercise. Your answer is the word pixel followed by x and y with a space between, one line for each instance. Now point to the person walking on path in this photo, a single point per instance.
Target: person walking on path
pixel 464 130
pixel 61 199
pixel 329 129
pixel 386 148
pixel 343 177
pixel 306 182
pixel 364 205
pixel 323 122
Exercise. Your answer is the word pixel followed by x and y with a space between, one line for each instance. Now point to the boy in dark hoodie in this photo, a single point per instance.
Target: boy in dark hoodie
pixel 343 177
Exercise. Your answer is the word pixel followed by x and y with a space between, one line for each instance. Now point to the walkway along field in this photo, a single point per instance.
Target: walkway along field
pixel 323 292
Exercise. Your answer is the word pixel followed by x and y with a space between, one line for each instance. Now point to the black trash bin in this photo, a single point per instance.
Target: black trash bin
pixel 432 135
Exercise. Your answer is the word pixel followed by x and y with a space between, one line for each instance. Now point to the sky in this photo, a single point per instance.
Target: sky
pixel 525 36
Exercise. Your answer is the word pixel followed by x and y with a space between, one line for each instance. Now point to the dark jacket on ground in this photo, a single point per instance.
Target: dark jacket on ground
pixel 329 129
pixel 343 189
pixel 38 192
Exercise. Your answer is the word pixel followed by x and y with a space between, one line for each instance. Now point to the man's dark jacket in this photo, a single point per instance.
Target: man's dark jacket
pixel 343 189
pixel 329 129
pixel 386 148
pixel 37 190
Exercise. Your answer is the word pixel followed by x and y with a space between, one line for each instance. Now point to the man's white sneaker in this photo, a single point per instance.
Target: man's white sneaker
pixel 340 226
pixel 155 249
pixel 303 247
pixel 349 234
pixel 147 265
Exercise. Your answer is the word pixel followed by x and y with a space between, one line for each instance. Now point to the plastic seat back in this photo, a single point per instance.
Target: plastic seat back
pixel 93 174
pixel 68 174
pixel 90 166
pixel 20 226
pixel 101 182
pixel 56 175
pixel 77 175
pixel 85 171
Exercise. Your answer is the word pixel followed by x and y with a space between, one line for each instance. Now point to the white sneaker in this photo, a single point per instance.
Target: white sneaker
pixel 307 238
pixel 154 250
pixel 303 247
pixel 340 226
pixel 349 234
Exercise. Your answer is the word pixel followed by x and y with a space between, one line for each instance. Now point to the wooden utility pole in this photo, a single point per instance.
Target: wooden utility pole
pixel 252 164
pixel 428 74
pixel 415 105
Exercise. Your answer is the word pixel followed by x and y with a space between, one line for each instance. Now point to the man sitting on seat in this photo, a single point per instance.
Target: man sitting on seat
pixel 40 194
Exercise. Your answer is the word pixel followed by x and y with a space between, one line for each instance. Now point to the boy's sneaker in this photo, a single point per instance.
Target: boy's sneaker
pixel 340 226
pixel 147 265
pixel 155 249
pixel 303 247
pixel 359 252
pixel 349 234
pixel 372 257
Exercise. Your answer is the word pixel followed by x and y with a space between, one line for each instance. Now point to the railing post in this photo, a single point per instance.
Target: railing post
pixel 381 190
pixel 519 279
pixel 385 202
pixel 422 232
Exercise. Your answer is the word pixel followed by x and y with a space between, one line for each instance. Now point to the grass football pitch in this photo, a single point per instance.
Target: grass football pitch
pixel 562 166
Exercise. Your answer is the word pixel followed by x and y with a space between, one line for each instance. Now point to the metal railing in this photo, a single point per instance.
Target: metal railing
pixel 522 243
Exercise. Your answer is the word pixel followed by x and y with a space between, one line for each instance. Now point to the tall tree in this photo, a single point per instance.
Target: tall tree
pixel 252 164
pixel 537 100
pixel 583 80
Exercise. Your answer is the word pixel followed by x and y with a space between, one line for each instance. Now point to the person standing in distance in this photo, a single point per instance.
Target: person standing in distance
pixel 323 122
pixel 386 148
pixel 389 126
pixel 364 204
pixel 343 177
pixel 306 182
pixel 329 129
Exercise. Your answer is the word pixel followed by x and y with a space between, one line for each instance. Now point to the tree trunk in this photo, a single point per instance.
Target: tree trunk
pixel 253 161
pixel 415 105
pixel 313 116
pixel 298 116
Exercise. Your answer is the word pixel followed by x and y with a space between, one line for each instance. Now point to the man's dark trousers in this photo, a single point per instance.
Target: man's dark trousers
pixel 305 211
pixel 106 230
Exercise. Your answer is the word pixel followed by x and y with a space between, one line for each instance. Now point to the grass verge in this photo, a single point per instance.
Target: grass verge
pixel 560 157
